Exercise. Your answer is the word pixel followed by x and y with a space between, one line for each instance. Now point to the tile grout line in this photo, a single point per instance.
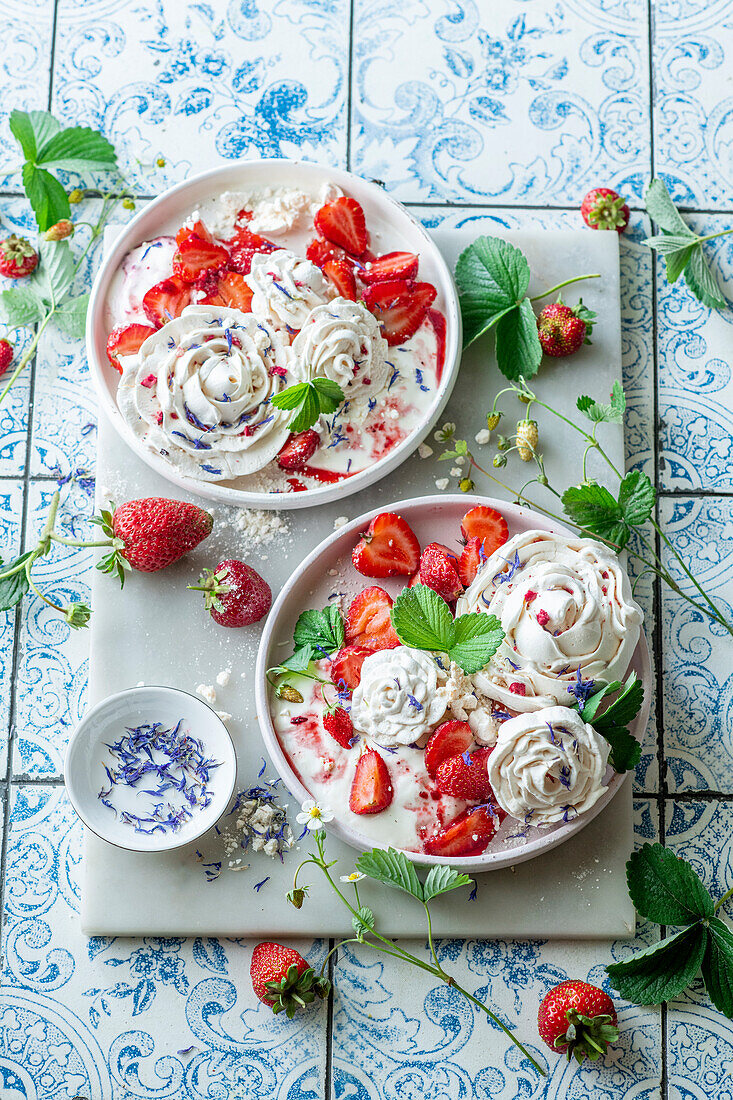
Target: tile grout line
pixel 349 78
pixel 328 1090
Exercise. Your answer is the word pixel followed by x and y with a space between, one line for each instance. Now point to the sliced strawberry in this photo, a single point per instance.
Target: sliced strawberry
pixel 465 776
pixel 387 549
pixel 467 835
pixel 346 665
pixel 195 256
pixel 341 274
pixel 198 229
pixel 368 622
pixel 486 524
pixel 472 559
pixel 166 300
pixel 319 252
pixel 393 265
pixel 450 739
pixel 371 788
pixel 414 579
pixel 400 307
pixel 338 724
pixel 126 340
pixel 342 222
pixel 298 449
pixel 439 571
pixel 231 291
pixel 243 246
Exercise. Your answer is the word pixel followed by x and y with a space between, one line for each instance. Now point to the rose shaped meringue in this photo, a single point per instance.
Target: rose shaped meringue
pixel 568 615
pixel 285 288
pixel 199 392
pixel 342 341
pixel 548 766
pixel 398 700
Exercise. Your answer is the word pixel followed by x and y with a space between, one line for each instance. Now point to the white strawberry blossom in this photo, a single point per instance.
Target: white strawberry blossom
pixel 313 815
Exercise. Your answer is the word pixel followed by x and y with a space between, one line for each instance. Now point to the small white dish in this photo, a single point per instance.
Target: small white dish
pixel 105 723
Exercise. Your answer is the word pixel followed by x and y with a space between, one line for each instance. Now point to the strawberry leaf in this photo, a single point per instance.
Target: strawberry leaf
pixel 71 316
pixel 441 879
pixel 308 400
pixel 393 869
pixel 422 619
pixel 76 149
pixel 599 413
pixel 492 278
pixel 662 210
pixel 46 195
pixel 14 587
pixel 32 129
pixel 701 281
pixel 363 923
pixel 717 966
pixel 518 348
pixel 662 971
pixel 322 630
pixel 476 639
pixel 664 888
pixel 21 306
pixel 623 709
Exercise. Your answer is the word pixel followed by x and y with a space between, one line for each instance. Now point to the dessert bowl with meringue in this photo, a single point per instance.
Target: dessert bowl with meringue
pixel 456 677
pixel 274 334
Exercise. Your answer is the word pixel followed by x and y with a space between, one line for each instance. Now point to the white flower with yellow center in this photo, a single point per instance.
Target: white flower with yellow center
pixel 354 876
pixel 313 815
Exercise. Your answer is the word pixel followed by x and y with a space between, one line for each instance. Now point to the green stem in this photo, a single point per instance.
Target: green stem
pixel 80 542
pixel 722 901
pixel 559 286
pixel 28 354
pixel 430 938
pixel 712 236
pixel 28 564
pixel 717 614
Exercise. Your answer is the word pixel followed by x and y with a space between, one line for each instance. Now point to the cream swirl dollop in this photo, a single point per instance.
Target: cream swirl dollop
pixel 285 288
pixel 398 700
pixel 548 766
pixel 199 392
pixel 568 616
pixel 342 341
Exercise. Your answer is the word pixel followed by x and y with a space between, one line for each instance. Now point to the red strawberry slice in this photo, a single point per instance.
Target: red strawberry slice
pixel 388 548
pixel 371 789
pixel 346 665
pixel 243 246
pixel 400 307
pixel 195 257
pixel 486 524
pixel 126 340
pixel 298 449
pixel 341 274
pixel 439 571
pixel 472 559
pixel 467 835
pixel 393 265
pixel 319 252
pixel 450 739
pixel 338 724
pixel 166 300
pixel 198 229
pixel 342 222
pixel 465 776
pixel 231 291
pixel 368 622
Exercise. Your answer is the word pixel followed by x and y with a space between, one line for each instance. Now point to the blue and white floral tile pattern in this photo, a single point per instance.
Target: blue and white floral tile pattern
pixel 695 384
pixel 107 1019
pixel 440 121
pixel 201 82
pixel 26 32
pixel 698 669
pixel 433 1044
pixel 11 510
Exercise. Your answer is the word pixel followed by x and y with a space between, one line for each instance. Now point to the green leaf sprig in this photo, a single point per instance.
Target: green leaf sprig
pixel 681 248
pixel 423 620
pixel 493 280
pixel 308 400
pixel 613 722
pixel 666 890
pixel 317 634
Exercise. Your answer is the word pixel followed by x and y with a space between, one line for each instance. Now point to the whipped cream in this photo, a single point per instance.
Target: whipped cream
pixel 285 288
pixel 398 700
pixel 548 766
pixel 199 391
pixel 141 268
pixel 565 605
pixel 342 341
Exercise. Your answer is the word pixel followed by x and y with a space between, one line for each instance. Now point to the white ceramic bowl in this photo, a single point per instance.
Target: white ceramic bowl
pixel 432 518
pixel 167 213
pixel 104 723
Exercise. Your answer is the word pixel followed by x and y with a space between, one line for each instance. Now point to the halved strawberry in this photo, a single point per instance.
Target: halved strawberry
pixel 198 229
pixel 439 571
pixel 486 524
pixel 467 835
pixel 243 246
pixel 393 265
pixel 297 449
pixel 231 291
pixel 341 274
pixel 368 622
pixel 346 665
pixel 196 256
pixel 400 307
pixel 338 724
pixel 166 300
pixel 342 222
pixel 465 776
pixel 472 559
pixel 388 548
pixel 319 252
pixel 450 739
pixel 371 788
pixel 126 340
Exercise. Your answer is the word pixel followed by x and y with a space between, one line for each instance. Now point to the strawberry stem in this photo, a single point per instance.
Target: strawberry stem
pixel 559 286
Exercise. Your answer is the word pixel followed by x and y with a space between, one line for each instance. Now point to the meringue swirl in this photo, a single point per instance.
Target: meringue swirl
pixel 342 341
pixel 398 700
pixel 567 611
pixel 548 766
pixel 285 288
pixel 199 392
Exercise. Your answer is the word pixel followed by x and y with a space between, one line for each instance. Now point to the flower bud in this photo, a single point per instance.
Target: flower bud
pixel 499 460
pixel 60 231
pixel 128 204
pixel 503 443
pixel 160 162
pixel 466 485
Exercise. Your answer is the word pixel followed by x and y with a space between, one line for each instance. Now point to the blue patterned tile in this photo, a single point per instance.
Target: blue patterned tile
pixel 201 83
pixel 697 655
pixel 26 28
pixel 536 103
pixel 11 510
pixel 695 386
pixel 114 1016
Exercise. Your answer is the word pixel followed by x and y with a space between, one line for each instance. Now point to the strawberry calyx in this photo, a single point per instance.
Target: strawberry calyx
pixel 607 212
pixel 583 313
pixel 586 1036
pixel 115 561
pixel 294 990
pixel 211 583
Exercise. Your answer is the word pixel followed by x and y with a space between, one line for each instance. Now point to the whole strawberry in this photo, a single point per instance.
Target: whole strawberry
pixel 338 724
pixel 563 329
pixel 6 356
pixel 60 231
pixel 18 257
pixel 149 534
pixel 282 978
pixel 578 1019
pixel 236 595
pixel 603 208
